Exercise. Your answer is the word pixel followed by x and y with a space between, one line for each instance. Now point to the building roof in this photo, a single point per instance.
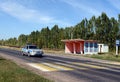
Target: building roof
pixel 72 40
pixel 91 40
pixel 78 40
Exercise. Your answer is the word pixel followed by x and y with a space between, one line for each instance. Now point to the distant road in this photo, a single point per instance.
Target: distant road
pixel 66 68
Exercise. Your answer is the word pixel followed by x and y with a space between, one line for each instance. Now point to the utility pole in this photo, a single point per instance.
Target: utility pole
pixel 116 51
pixel 117 44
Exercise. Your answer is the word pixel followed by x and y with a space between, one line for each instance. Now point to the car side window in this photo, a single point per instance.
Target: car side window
pixel 27 47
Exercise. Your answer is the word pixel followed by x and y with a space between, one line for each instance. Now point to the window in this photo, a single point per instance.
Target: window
pixel 91 45
pixel 95 45
pixel 95 50
pixel 27 47
pixel 86 50
pixel 86 44
pixel 32 47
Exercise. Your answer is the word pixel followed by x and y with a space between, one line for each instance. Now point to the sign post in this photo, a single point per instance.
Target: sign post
pixel 117 44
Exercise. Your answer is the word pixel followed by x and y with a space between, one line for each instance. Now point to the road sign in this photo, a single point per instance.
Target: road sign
pixel 118 42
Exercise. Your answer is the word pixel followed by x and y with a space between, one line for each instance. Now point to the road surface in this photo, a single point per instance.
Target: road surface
pixel 61 68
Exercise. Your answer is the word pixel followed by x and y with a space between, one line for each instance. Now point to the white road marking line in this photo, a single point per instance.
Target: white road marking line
pixel 48 66
pixel 58 66
pixel 82 68
pixel 38 67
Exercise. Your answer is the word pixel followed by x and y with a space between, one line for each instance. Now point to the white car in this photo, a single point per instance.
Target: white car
pixel 31 50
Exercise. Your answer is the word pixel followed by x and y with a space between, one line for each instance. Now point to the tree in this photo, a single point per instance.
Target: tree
pixel 55 37
pixel 103 29
pixel 119 26
pixel 45 37
pixel 22 40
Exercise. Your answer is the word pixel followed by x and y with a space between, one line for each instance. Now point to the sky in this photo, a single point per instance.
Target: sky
pixel 24 16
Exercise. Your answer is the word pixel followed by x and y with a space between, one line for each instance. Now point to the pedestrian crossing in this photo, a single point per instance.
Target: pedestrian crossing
pixel 49 67
pixel 42 67
pixel 52 64
pixel 56 66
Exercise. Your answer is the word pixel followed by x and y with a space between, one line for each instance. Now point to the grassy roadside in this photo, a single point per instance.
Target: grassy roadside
pixel 10 72
pixel 7 47
pixel 107 56
pixel 54 51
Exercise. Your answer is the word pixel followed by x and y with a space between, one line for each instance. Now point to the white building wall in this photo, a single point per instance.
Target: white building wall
pixel 103 48
pixel 106 48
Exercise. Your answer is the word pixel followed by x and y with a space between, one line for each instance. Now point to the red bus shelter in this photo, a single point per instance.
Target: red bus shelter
pixel 80 46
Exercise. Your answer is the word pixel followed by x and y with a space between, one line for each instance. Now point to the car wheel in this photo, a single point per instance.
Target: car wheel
pixel 29 54
pixel 23 54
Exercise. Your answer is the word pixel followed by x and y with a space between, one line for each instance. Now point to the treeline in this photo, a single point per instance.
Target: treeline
pixel 103 29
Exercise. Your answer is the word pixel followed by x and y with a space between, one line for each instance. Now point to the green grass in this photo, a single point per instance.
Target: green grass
pixel 107 56
pixel 10 72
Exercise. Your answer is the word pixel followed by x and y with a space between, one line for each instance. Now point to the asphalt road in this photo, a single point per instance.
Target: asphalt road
pixel 68 68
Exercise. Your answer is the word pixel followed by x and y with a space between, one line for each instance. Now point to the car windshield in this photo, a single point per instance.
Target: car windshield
pixel 32 47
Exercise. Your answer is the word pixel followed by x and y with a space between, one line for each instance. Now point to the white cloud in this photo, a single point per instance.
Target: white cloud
pixel 86 8
pixel 25 14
